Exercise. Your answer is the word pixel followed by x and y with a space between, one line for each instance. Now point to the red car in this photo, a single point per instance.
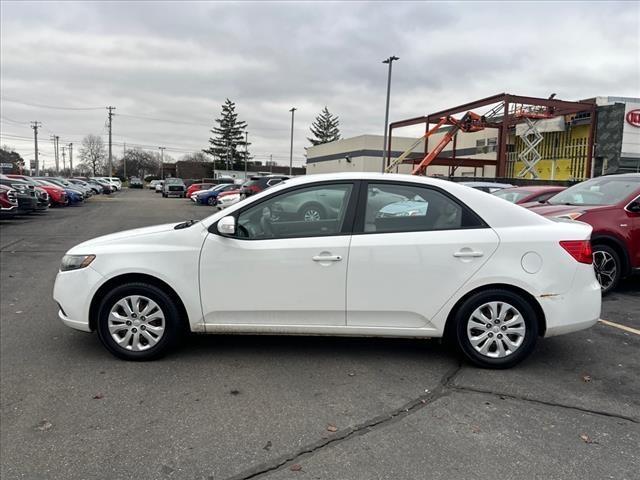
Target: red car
pixel 57 195
pixel 528 194
pixel 611 205
pixel 8 201
pixel 194 187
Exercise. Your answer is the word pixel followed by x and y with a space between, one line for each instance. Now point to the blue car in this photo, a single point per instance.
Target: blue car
pixel 209 197
pixel 74 196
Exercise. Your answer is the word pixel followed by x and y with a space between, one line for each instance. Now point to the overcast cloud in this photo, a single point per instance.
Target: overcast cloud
pixel 179 61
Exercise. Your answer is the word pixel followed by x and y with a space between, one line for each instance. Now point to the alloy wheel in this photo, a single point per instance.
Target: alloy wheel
pixel 496 329
pixel 136 323
pixel 312 215
pixel 605 267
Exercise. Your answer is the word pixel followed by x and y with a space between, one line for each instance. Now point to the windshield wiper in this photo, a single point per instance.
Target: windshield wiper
pixel 186 224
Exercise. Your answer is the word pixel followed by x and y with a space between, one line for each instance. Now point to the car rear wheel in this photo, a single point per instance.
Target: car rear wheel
pixel 211 201
pixel 138 321
pixel 496 328
pixel 608 267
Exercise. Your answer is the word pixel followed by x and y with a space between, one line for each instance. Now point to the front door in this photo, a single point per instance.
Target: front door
pixel 412 249
pixel 283 266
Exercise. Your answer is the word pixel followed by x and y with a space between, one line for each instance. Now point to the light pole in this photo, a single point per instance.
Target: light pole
pixel 161 162
pixel 293 109
pixel 385 153
pixel 246 152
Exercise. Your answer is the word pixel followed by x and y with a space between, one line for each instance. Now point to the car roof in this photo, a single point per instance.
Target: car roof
pixel 486 184
pixel 534 188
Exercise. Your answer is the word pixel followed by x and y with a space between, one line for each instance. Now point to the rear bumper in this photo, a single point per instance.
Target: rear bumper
pixel 577 309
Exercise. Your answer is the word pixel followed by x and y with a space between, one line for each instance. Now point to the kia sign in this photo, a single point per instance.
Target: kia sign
pixel 633 118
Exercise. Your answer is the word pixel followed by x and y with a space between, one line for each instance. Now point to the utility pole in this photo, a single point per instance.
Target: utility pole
pixel 293 110
pixel 56 155
pixel 110 116
pixel 271 163
pixel 246 152
pixel 162 162
pixel 71 158
pixel 35 126
pixel 64 164
pixel 385 153
pixel 124 160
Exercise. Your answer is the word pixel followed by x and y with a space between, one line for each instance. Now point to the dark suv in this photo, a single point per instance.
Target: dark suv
pixel 611 205
pixel 174 186
pixel 258 183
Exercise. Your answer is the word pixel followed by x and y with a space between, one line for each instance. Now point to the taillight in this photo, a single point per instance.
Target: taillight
pixel 578 249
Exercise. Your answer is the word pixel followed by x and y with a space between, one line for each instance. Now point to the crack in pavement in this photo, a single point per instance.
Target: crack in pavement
pixel 361 429
pixel 511 396
pixel 445 388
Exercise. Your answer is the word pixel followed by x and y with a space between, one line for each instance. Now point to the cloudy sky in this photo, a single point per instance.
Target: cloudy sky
pixel 167 67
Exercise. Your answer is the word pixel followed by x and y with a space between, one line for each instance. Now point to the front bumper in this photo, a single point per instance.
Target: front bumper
pixel 73 292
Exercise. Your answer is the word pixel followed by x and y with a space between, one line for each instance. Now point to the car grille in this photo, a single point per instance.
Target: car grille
pixel 177 188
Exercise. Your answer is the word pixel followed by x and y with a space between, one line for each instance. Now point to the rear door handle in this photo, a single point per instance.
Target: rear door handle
pixel 467 254
pixel 326 258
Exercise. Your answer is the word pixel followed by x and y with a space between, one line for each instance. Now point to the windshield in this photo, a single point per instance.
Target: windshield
pixel 511 196
pixel 598 191
pixel 173 180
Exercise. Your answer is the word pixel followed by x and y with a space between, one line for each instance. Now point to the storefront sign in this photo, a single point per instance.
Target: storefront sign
pixel 633 118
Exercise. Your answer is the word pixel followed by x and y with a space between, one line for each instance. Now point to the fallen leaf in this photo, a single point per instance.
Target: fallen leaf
pixel 98 396
pixel 475 428
pixel 586 378
pixel 296 467
pixel 44 425
pixel 332 428
pixel 587 439
pixel 267 445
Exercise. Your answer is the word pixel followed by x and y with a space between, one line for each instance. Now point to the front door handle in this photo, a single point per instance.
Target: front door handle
pixel 326 258
pixel 467 254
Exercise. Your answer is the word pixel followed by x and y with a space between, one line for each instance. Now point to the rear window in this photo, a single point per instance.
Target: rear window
pixel 511 196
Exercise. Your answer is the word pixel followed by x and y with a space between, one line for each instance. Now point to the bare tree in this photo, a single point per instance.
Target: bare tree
pixel 195 157
pixel 93 153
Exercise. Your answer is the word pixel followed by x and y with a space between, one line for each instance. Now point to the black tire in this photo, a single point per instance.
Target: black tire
pixel 172 325
pixel 312 209
pixel 608 282
pixel 211 201
pixel 463 317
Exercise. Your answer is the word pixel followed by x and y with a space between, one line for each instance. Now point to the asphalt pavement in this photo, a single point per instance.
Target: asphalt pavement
pixel 241 407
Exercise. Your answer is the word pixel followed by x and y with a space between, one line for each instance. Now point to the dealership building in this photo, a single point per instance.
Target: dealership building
pixel 571 141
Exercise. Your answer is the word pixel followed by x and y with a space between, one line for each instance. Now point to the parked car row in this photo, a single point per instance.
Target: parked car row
pixel 23 194
pixel 224 195
pixel 610 204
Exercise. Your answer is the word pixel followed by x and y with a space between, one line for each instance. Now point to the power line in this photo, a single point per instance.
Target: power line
pixel 49 106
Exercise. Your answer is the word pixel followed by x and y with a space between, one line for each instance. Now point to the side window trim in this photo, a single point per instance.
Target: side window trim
pixel 362 207
pixel 347 225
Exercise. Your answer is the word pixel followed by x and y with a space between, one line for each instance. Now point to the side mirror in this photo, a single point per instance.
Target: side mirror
pixel 227 225
pixel 634 207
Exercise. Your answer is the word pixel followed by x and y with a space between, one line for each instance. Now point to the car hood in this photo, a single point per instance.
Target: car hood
pixel 547 210
pixel 112 238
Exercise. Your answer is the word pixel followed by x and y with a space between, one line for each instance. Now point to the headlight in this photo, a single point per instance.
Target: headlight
pixel 570 215
pixel 75 262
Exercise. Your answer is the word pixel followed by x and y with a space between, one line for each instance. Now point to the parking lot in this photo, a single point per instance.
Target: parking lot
pixel 240 407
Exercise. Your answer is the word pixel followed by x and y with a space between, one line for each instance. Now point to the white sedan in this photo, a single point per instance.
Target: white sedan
pixel 488 274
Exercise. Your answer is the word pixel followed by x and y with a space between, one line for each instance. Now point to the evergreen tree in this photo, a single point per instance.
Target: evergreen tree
pixel 325 128
pixel 228 143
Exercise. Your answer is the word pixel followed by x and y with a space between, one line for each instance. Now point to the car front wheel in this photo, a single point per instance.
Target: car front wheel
pixel 496 328
pixel 608 267
pixel 138 321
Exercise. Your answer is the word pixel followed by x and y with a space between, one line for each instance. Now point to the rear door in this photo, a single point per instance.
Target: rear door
pixel 413 247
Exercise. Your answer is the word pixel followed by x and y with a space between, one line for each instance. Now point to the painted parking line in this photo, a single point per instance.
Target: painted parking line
pixel 621 327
